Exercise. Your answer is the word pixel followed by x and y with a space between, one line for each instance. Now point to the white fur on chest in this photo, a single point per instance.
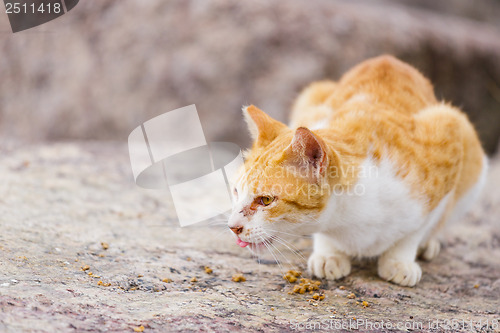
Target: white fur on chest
pixel 377 213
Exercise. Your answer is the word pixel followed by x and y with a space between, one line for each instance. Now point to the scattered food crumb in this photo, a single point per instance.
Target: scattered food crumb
pixel 342 288
pixel 100 283
pixel 476 285
pixel 194 279
pixel 140 275
pixel 366 304
pixel 305 285
pixel 238 278
pixel 291 276
pixel 167 280
pixel 272 309
pixel 208 270
pixel 188 259
pixel 139 329
pixel 85 267
pixel 351 296
pixel 105 245
pixel 318 297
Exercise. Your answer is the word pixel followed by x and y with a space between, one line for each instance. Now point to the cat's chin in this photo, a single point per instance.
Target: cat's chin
pixel 256 248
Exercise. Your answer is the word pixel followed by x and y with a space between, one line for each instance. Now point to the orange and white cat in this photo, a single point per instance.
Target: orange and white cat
pixel 372 166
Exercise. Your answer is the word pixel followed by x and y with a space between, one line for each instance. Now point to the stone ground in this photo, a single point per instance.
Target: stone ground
pixel 59 202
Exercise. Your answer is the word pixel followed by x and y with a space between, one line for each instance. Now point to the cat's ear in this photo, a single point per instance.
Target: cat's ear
pixel 307 152
pixel 263 128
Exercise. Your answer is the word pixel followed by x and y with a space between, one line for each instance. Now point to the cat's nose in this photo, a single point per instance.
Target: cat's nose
pixel 237 230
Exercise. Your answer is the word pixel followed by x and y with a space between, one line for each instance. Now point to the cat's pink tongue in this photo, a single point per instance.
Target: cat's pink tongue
pixel 241 243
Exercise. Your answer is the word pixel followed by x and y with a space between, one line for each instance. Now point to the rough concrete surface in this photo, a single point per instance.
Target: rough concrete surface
pixel 59 202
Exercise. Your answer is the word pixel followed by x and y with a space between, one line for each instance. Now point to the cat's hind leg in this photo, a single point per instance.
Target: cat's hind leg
pixel 430 249
pixel 326 261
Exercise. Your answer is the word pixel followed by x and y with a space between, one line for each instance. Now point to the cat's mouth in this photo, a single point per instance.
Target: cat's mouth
pixel 253 246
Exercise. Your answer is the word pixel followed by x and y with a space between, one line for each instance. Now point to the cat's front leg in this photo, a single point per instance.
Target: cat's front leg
pixel 398 263
pixel 327 261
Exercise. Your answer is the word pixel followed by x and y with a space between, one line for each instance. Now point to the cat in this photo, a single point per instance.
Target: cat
pixel 371 166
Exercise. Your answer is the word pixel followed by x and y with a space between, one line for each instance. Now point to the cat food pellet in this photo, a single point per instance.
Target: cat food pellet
pixel 100 283
pixel 306 285
pixel 318 297
pixel 166 280
pixel 105 245
pixel 85 267
pixel 342 288
pixel 194 279
pixel 140 275
pixel 208 270
pixel 238 278
pixel 476 286
pixel 365 304
pixel 351 296
pixel 291 276
pixel 139 329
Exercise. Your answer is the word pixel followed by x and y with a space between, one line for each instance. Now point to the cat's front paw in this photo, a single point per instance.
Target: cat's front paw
pixel 404 273
pixel 332 267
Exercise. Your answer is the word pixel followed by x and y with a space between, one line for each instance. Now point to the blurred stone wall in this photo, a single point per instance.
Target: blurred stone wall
pixel 107 66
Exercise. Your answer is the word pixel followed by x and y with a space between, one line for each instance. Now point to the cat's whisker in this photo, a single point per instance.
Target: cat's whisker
pixel 281 253
pixel 221 232
pixel 267 239
pixel 266 244
pixel 288 233
pixel 294 251
pixel 292 248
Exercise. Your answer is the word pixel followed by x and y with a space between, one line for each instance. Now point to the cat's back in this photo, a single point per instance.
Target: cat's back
pixel 387 82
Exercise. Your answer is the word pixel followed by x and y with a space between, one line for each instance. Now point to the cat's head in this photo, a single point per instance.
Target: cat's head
pixel 281 188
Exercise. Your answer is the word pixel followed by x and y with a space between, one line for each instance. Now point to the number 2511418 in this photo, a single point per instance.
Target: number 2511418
pixel 24 8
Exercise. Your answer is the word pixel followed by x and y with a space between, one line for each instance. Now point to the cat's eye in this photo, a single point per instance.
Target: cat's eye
pixel 265 200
